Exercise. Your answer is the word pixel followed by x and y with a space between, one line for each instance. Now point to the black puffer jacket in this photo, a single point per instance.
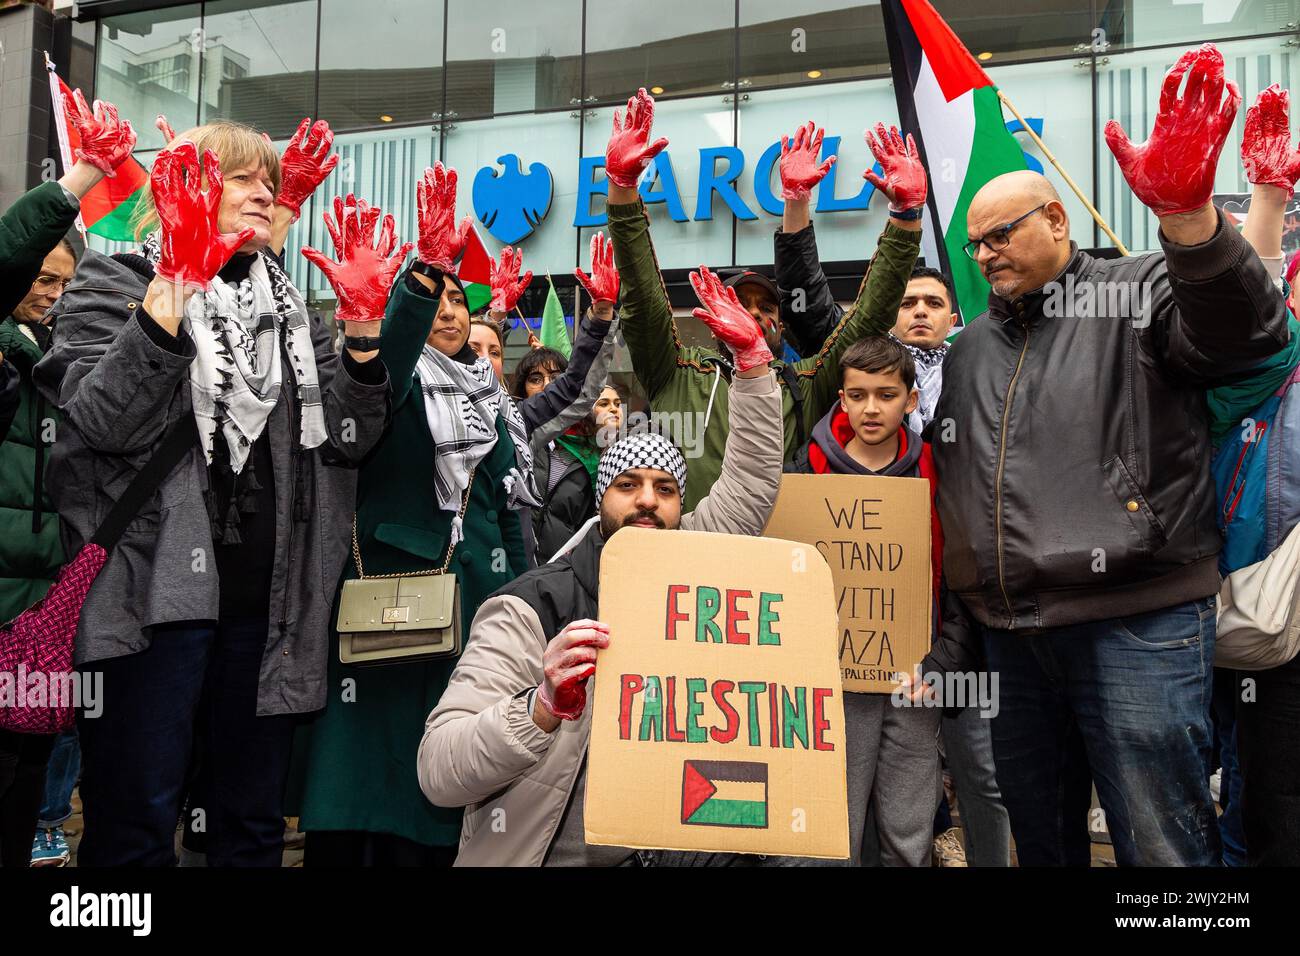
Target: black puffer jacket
pixel 1074 480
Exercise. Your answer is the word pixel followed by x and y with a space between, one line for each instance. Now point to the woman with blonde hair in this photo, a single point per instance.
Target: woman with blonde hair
pixel 211 612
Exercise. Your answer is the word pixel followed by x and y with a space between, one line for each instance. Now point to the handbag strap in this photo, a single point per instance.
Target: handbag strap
pixel 356 546
pixel 179 440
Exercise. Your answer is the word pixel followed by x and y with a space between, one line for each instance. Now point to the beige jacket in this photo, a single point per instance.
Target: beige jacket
pixel 481 749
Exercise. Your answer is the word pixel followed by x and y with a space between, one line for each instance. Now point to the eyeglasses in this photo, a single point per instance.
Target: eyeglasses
pixel 45 283
pixel 999 238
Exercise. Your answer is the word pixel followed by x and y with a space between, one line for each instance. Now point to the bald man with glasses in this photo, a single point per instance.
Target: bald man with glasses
pixel 1072 447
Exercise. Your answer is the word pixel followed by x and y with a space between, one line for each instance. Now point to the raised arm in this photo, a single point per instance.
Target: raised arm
pixel 741 500
pixel 305 164
pixel 1272 167
pixel 808 309
pixel 1214 311
pixel 648 326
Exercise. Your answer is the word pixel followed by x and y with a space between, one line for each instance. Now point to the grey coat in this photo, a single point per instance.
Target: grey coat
pixel 120 392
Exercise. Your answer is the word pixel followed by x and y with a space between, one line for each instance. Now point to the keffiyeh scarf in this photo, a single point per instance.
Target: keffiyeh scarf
pixel 235 376
pixel 929 380
pixel 461 404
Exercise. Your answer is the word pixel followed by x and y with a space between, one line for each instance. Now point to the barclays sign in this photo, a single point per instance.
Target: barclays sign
pixel 511 204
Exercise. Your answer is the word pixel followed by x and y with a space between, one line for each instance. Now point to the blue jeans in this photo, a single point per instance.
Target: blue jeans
pixel 968 743
pixel 136 753
pixel 1124 703
pixel 1231 831
pixel 60 781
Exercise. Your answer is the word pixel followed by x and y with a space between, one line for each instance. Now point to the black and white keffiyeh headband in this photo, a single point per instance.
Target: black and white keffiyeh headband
pixel 645 450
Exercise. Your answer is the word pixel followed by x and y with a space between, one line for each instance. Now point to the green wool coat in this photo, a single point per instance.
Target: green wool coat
pixel 355 763
pixel 30 555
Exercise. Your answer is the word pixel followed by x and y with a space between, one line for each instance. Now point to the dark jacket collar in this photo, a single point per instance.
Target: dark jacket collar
pixel 1031 303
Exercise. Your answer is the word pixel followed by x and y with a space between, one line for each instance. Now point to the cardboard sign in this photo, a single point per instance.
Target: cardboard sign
pixel 718 718
pixel 875 535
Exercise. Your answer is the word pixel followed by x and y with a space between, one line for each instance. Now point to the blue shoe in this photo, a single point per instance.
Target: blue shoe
pixel 50 848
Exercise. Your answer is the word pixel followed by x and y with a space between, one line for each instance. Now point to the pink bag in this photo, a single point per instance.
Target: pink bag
pixel 36 648
pixel 36 651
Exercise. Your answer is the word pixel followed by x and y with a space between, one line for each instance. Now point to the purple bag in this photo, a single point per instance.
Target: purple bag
pixel 36 647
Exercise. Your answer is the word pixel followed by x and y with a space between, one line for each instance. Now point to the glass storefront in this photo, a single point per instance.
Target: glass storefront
pixel 518 96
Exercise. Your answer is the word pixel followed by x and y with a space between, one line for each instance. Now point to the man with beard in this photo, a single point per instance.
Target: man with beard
pixel 508 740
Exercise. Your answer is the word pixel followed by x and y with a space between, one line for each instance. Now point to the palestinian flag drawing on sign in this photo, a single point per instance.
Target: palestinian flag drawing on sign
pixel 475 271
pixel 724 793
pixel 109 209
pixel 951 107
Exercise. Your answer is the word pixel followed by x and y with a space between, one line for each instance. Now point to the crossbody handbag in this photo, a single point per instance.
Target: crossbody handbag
pixel 400 618
pixel 36 647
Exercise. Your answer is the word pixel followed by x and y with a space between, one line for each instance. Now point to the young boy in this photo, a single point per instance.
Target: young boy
pixel 892 757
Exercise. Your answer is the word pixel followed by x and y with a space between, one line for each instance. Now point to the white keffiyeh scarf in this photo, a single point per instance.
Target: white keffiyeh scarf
pixel 461 404
pixel 929 381
pixel 235 376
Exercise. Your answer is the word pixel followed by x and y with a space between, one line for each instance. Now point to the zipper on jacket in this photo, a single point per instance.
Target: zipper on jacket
pixel 38 476
pixel 1002 460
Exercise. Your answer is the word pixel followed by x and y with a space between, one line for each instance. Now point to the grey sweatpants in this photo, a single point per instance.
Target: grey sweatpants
pixel 892 759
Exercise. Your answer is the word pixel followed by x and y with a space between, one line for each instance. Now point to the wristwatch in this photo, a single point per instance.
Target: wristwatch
pixel 362 343
pixel 907 215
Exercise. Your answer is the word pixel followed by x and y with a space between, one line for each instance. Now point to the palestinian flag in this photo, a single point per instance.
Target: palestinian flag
pixel 475 271
pixel 108 210
pixel 724 793
pixel 951 107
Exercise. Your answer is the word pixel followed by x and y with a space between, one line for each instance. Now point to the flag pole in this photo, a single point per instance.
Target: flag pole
pixel 1064 175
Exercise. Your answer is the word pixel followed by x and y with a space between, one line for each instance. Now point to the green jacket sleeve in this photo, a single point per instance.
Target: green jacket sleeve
pixel 873 313
pixel 648 326
pixel 30 228
pixel 407 321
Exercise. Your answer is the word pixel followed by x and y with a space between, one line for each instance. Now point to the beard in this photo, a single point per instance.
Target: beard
pixel 611 523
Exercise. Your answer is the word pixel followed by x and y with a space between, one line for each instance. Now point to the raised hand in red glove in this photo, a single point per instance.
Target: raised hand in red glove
pixel 568 663
pixel 165 128
pixel 729 320
pixel 629 149
pixel 192 244
pixel 1173 171
pixel 1266 151
pixel 800 170
pixel 106 140
pixel 305 164
pixel 441 241
pixel 602 284
pixel 365 269
pixel 904 182
pixel 507 284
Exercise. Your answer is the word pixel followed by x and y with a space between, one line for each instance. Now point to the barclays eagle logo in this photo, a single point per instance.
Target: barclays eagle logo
pixel 512 203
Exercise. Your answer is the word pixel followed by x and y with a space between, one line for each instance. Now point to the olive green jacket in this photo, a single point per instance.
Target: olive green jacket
pixel 683 381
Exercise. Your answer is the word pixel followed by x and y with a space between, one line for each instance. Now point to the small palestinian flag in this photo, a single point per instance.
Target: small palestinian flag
pixel 555 331
pixel 951 107
pixel 109 209
pixel 475 271
pixel 724 793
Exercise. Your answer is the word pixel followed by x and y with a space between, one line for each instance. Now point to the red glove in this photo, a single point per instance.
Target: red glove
pixel 193 246
pixel 364 273
pixel 568 663
pixel 304 164
pixel 507 284
pixel 435 199
pixel 1266 143
pixel 729 321
pixel 602 284
pixel 165 128
pixel 1173 171
pixel 800 171
pixel 904 181
pixel 106 140
pixel 626 153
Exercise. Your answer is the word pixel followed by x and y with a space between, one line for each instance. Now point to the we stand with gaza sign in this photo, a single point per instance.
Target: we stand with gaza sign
pixel 718 717
pixel 874 532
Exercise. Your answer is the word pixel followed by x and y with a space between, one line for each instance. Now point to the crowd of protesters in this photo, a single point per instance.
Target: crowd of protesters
pixel 1085 507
